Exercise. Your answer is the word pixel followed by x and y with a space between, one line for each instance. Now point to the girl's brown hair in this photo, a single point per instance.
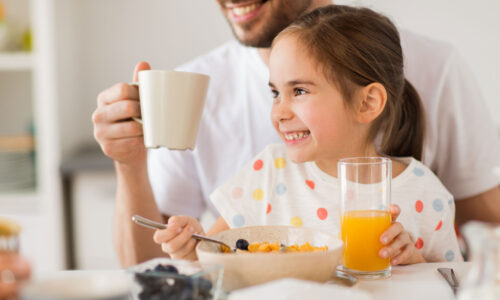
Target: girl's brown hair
pixel 355 47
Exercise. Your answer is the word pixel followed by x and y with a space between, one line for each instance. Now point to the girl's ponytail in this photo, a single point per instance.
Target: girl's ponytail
pixel 405 136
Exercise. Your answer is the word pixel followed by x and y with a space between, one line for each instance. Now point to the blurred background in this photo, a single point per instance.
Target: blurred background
pixel 57 55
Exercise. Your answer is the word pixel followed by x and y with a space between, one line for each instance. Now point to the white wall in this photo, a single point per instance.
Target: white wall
pixel 100 41
pixel 471 26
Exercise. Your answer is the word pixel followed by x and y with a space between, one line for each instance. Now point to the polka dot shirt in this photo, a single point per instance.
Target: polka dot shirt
pixel 272 190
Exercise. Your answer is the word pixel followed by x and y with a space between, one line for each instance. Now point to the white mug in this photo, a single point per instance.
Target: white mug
pixel 171 107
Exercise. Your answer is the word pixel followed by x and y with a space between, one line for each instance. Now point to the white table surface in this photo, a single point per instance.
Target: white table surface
pixel 419 281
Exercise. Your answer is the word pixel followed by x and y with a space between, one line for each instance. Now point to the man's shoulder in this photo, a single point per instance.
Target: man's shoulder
pixel 222 58
pixel 425 47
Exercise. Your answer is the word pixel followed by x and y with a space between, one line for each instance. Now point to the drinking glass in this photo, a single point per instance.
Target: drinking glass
pixel 365 196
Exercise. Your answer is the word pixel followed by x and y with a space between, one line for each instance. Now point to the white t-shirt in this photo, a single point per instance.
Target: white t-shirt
pixel 273 190
pixel 461 145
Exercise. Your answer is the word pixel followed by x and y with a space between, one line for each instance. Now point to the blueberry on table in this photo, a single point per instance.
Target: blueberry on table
pixel 242 244
pixel 166 268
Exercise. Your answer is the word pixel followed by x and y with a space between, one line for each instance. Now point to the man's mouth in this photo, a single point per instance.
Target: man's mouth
pixel 245 8
pixel 296 135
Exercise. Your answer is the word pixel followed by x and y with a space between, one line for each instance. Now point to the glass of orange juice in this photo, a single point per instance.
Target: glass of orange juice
pixel 365 196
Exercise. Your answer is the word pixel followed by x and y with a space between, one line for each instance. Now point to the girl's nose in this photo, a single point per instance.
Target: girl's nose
pixel 281 111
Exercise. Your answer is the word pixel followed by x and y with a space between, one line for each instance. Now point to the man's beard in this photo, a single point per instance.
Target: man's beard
pixel 276 23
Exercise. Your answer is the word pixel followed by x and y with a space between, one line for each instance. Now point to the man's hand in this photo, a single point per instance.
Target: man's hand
pixel 400 246
pixel 119 136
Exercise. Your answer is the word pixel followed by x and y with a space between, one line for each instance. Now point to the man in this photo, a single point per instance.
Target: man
pixel 461 144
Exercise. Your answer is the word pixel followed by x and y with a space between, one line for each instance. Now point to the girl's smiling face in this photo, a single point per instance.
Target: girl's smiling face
pixel 309 112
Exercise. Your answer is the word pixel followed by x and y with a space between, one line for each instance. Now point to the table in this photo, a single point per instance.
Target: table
pixel 419 281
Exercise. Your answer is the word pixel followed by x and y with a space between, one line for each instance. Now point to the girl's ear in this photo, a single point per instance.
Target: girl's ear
pixel 373 98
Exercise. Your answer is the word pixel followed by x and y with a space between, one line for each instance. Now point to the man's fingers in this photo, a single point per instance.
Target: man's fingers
pixel 119 91
pixel 117 111
pixel 394 230
pixel 120 130
pixel 140 67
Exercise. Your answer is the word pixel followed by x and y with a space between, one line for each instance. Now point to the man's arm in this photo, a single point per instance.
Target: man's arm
pixel 134 244
pixel 483 207
pixel 122 140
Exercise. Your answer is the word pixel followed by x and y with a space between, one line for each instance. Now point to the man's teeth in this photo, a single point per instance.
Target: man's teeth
pixel 243 10
pixel 296 136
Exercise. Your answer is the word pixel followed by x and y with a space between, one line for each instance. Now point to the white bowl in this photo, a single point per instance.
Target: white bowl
pixel 243 270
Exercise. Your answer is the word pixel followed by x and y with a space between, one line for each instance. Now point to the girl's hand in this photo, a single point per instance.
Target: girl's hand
pixel 400 246
pixel 176 240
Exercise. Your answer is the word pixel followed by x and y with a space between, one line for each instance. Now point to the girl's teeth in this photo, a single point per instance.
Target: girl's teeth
pixel 296 136
pixel 240 11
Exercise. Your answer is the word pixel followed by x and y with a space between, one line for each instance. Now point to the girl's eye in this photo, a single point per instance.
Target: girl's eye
pixel 299 91
pixel 275 93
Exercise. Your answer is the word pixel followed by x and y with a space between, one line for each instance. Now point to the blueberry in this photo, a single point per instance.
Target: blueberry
pixel 166 268
pixel 242 244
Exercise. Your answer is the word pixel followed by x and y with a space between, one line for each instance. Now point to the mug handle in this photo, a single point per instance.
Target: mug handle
pixel 138 120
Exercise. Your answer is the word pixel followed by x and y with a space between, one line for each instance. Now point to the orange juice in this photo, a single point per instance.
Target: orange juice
pixel 361 231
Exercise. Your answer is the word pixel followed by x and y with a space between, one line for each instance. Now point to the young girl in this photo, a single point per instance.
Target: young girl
pixel 339 91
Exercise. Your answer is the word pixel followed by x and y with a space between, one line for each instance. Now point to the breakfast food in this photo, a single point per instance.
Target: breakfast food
pixel 165 282
pixel 242 246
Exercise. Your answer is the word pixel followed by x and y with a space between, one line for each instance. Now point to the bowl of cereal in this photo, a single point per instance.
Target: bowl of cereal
pixel 266 253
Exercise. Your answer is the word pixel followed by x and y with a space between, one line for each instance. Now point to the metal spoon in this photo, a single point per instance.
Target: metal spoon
pixel 155 225
pixel 451 279
pixel 341 277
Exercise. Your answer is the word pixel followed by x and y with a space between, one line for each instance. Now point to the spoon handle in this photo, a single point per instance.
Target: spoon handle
pixel 147 222
pixel 155 225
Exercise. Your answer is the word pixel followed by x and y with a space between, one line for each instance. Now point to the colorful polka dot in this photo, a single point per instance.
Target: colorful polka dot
pixel 419 206
pixel 279 163
pixel 450 202
pixel 437 204
pixel 238 220
pixel 280 189
pixel 310 184
pixel 237 192
pixel 296 221
pixel 419 244
pixel 439 225
pixel 322 213
pixel 268 210
pixel 449 255
pixel 418 172
pixel 258 164
pixel 258 194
